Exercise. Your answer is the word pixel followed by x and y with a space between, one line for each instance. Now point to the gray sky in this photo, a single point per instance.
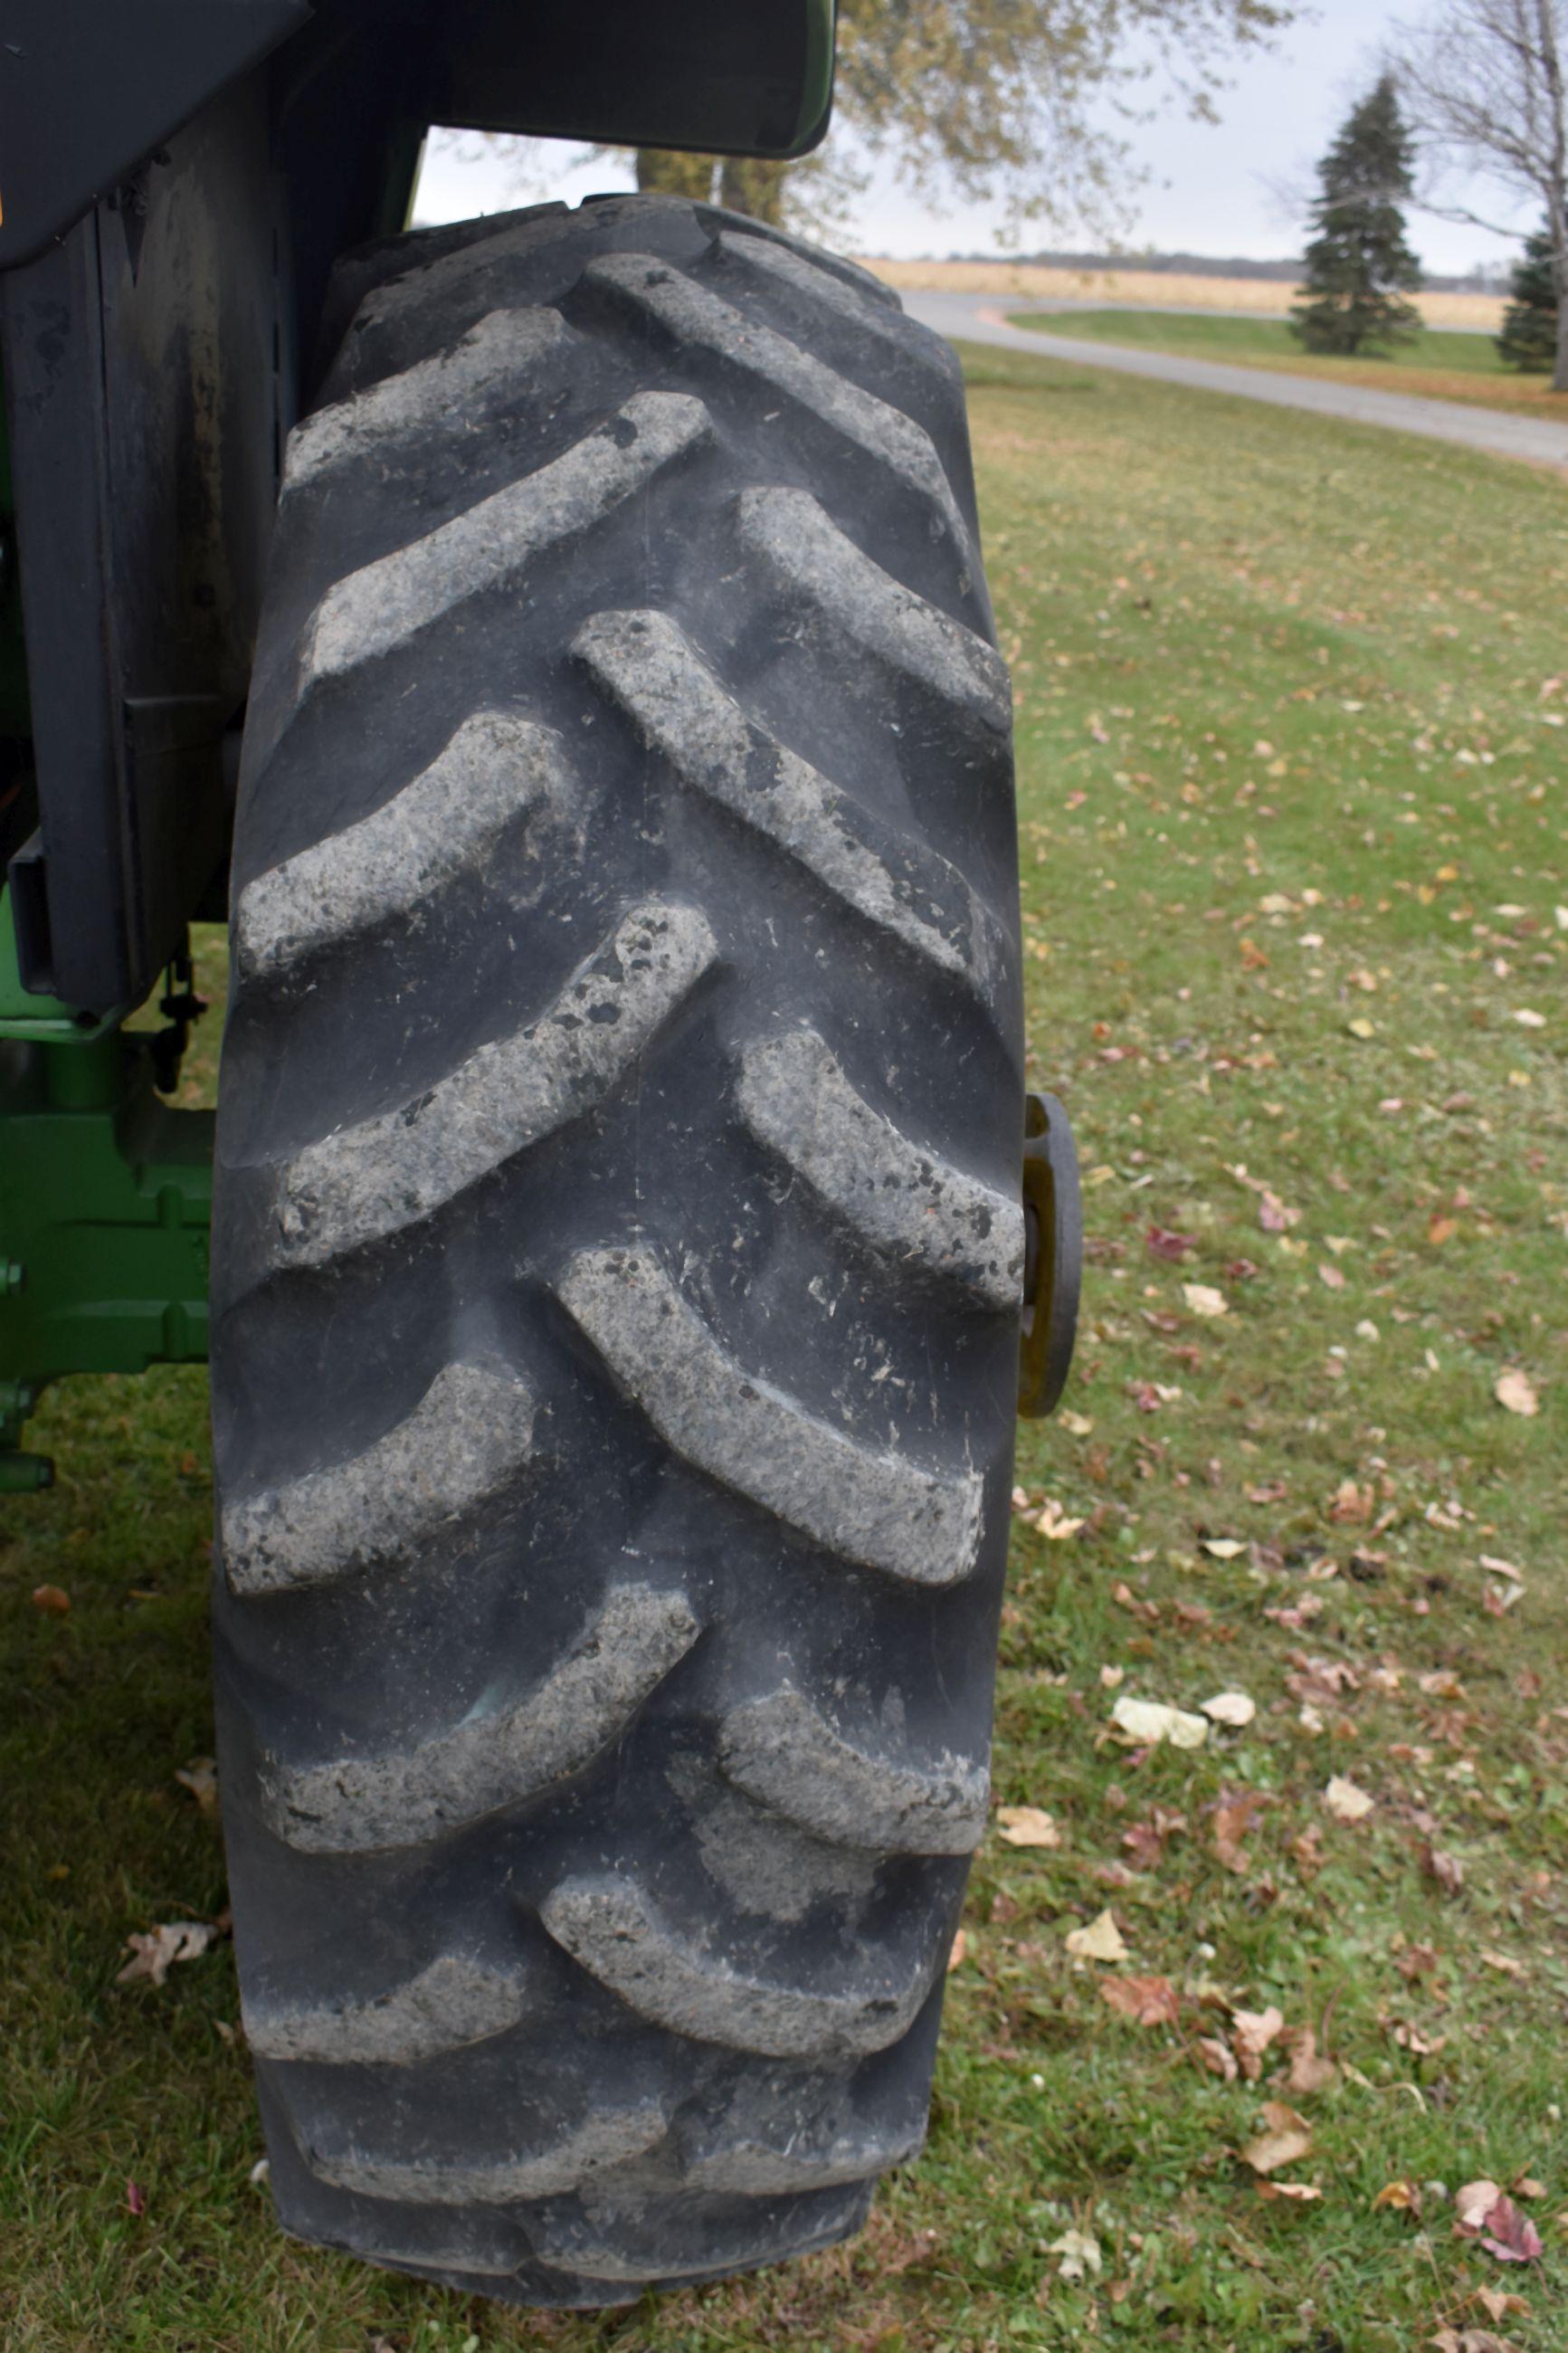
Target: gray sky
pixel 1214 188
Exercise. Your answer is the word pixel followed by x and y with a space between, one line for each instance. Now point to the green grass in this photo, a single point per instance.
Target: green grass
pixel 1436 363
pixel 1293 839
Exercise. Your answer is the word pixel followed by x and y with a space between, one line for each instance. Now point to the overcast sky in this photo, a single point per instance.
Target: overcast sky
pixel 1214 188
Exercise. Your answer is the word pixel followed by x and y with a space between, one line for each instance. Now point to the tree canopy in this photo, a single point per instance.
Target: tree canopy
pixel 991 100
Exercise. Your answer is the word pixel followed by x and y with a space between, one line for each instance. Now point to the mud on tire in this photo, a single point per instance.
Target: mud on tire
pixel 618 1255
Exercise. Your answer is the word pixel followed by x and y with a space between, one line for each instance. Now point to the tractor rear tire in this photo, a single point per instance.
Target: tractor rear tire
pixel 618 1255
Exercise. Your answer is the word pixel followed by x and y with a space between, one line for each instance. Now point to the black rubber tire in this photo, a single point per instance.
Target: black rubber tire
pixel 618 1255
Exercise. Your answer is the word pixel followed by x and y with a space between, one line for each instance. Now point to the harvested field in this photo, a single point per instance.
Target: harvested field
pixel 1270 297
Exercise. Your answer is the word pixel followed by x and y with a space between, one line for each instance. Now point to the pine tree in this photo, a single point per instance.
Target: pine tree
pixel 1529 337
pixel 1358 263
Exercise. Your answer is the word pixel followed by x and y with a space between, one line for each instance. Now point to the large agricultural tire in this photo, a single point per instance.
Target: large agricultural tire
pixel 618 1255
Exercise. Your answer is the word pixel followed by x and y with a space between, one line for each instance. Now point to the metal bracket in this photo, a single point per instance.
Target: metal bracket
pixel 1053 1255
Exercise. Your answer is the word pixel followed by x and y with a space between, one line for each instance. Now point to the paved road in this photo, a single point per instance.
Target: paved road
pixel 979 319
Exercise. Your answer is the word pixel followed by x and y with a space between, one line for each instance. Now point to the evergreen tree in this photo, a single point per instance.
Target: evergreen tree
pixel 1358 263
pixel 1529 337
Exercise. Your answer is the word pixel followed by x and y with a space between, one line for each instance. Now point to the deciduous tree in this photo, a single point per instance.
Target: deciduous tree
pixel 993 101
pixel 1483 83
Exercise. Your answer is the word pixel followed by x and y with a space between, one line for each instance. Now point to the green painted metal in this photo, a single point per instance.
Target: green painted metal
pixel 105 1205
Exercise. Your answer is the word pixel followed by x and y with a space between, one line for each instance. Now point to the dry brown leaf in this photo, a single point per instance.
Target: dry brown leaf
pixel 52 1601
pixel 200 1777
pixel 1444 1868
pixel 1251 2033
pixel 1286 2137
pixel 1230 1707
pixel 1101 1941
pixel 1080 2254
pixel 1474 2201
pixel 1502 1962
pixel 1308 2072
pixel 1149 1722
pixel 1203 1299
pixel 956 1950
pixel 1405 2197
pixel 154 1954
pixel 1218 2057
pixel 1498 2305
pixel 1503 2231
pixel 1346 1802
pixel 1233 1820
pixel 1148 2002
pixel 1300 2192
pixel 1028 1826
pixel 1516 1391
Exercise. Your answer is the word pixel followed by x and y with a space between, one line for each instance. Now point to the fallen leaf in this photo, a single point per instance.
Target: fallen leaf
pixel 1218 2057
pixel 1223 1547
pixel 1101 1941
pixel 1524 2185
pixel 1162 1243
pixel 1308 2072
pixel 1331 1278
pixel 1528 1018
pixel 1028 1826
pixel 51 1600
pixel 1272 1214
pixel 1351 1504
pixel 1362 1028
pixel 1513 1390
pixel 1444 1868
pixel 1440 1229
pixel 1203 1299
pixel 1230 1707
pixel 1474 2202
pixel 1146 1721
pixel 1502 1962
pixel 153 1954
pixel 1286 2137
pixel 1405 2197
pixel 1149 2001
pixel 1510 2235
pixel 1079 1423
pixel 1345 1801
pixel 1233 1819
pixel 200 1777
pixel 1080 2254
pixel 1145 1840
pixel 135 2198
pixel 1251 2033
pixel 956 1950
pixel 1301 2193
pixel 1053 1522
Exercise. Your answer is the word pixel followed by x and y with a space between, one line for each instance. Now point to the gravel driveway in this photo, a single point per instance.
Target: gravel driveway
pixel 978 319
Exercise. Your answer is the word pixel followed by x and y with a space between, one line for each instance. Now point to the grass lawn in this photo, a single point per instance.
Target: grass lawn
pixel 1293 824
pixel 1438 363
